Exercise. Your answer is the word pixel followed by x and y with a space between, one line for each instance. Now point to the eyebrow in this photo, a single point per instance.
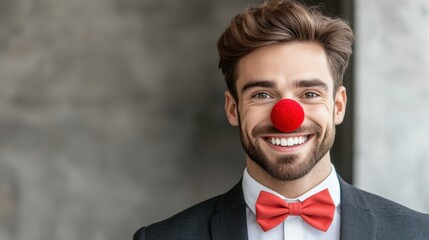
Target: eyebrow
pixel 258 83
pixel 311 83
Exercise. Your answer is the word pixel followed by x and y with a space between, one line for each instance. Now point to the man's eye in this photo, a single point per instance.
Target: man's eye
pixel 311 95
pixel 262 96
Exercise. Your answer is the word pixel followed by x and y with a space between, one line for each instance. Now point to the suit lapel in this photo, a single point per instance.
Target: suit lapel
pixel 357 220
pixel 229 221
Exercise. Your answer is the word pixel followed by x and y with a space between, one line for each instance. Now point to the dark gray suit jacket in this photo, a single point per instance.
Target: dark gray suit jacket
pixel 364 216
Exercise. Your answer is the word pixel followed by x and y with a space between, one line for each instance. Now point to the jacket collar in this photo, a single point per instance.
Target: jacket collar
pixel 357 219
pixel 229 220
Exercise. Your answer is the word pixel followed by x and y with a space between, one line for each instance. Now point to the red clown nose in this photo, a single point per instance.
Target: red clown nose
pixel 287 115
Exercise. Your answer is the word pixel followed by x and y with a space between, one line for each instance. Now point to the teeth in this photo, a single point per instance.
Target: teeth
pixel 288 142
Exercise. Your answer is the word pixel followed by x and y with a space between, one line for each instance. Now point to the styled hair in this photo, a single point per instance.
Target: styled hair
pixel 282 21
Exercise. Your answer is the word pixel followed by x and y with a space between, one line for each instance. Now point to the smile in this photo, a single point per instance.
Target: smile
pixel 287 142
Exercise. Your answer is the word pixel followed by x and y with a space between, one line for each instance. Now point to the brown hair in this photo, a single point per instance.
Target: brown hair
pixel 280 21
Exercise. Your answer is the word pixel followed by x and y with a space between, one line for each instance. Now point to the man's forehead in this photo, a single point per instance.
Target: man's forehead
pixel 284 62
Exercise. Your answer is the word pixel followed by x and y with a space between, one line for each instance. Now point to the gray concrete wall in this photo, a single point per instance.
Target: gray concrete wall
pixel 392 100
pixel 108 108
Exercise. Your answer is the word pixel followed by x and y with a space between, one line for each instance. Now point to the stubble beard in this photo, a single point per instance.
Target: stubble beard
pixel 288 167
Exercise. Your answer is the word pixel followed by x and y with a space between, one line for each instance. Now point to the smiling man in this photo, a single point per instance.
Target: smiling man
pixel 283 64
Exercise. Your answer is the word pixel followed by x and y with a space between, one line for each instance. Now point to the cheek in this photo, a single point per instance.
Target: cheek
pixel 252 116
pixel 318 115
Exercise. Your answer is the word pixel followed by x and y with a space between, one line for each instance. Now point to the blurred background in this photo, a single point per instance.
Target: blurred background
pixel 111 111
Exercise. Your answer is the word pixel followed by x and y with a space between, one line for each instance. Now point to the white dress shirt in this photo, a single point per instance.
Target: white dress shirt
pixel 293 227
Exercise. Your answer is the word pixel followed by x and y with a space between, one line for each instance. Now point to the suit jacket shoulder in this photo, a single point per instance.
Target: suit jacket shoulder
pixel 375 217
pixel 205 220
pixel 179 226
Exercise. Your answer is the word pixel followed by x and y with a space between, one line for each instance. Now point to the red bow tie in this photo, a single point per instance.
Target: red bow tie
pixel 317 210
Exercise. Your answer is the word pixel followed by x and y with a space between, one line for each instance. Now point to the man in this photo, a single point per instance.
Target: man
pixel 283 64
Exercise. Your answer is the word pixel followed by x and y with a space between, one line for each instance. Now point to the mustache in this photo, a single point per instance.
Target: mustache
pixel 270 129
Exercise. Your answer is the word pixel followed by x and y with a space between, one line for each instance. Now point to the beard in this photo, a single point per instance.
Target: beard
pixel 288 167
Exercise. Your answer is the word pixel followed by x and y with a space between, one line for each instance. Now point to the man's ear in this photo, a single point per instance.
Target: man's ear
pixel 231 109
pixel 340 102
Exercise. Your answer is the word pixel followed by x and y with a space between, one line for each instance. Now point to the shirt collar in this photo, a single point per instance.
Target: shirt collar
pixel 252 188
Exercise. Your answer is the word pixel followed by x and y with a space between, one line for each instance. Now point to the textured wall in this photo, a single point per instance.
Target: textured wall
pixel 392 90
pixel 109 108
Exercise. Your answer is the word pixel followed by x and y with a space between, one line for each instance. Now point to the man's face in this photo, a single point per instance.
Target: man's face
pixel 297 71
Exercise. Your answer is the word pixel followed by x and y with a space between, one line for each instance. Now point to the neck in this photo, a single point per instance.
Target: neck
pixel 295 188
